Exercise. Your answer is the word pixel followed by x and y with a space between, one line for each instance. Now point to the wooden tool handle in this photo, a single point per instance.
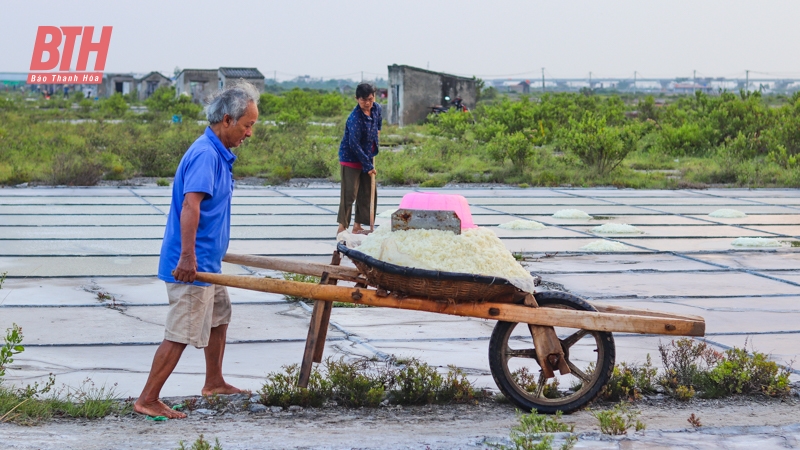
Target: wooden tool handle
pixel 372 203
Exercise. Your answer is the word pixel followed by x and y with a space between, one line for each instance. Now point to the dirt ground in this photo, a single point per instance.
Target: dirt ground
pixel 389 427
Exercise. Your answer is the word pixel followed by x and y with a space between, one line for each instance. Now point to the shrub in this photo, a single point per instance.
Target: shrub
pixel 114 106
pixel 281 388
pixel 514 147
pixel 416 384
pixel 691 367
pixel 455 388
pixel 73 170
pixel 353 385
pixel 685 360
pixel 598 145
pixel 630 381
pixel 742 373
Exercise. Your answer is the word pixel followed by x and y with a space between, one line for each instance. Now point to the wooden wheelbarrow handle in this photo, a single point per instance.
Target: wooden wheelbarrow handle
pixel 587 320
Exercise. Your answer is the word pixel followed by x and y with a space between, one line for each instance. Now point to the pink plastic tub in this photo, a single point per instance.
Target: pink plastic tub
pixel 440 202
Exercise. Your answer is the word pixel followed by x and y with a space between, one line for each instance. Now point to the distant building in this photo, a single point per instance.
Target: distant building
pixel 689 87
pixel 227 75
pixel 521 87
pixel 201 83
pixel 122 83
pixel 197 83
pixel 413 92
pixel 146 85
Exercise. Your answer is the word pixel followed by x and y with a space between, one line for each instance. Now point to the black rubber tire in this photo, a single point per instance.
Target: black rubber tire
pixel 498 362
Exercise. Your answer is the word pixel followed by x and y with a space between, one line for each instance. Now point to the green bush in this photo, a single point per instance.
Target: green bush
pixel 692 367
pixel 630 381
pixel 355 384
pixel 598 145
pixel 742 373
pixel 416 384
pixel 281 389
pixel 114 106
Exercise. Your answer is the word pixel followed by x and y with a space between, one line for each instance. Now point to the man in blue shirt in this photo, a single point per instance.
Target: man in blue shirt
pixel 196 239
pixel 356 152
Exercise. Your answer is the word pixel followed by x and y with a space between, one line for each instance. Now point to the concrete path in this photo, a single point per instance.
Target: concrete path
pixel 81 266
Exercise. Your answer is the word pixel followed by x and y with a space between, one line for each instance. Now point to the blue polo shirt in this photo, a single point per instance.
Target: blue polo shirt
pixel 206 167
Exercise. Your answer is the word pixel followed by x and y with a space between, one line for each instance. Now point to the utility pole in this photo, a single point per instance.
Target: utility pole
pixel 747 81
pixel 362 76
pixel 542 79
pixel 634 82
pixel 694 77
pixel 275 76
pixel 590 80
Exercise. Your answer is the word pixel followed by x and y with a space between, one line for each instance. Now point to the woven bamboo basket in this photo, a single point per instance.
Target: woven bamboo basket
pixel 431 284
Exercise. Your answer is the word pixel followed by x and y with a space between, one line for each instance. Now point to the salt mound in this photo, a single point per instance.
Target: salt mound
pixel 728 214
pixel 521 224
pixel 616 228
pixel 755 242
pixel 571 214
pixel 604 246
pixel 476 251
pixel 387 214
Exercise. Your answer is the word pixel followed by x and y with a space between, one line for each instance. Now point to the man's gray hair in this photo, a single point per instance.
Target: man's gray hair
pixel 232 101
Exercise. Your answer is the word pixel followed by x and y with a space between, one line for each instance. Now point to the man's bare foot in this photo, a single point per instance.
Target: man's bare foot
pixel 157 408
pixel 361 231
pixel 225 389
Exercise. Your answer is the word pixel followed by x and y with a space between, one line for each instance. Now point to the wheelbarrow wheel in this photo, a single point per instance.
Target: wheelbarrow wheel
pixel 589 355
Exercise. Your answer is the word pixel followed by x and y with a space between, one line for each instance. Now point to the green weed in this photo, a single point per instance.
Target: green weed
pixel 12 344
pixel 617 420
pixel 534 432
pixel 162 182
pixel 201 444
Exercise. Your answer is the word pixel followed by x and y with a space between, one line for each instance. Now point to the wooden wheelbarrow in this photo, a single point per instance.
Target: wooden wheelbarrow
pixel 535 335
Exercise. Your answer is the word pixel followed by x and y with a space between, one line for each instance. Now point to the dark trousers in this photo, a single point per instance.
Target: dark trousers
pixel 356 187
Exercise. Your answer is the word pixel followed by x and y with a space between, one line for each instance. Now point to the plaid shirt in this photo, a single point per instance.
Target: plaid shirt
pixel 360 141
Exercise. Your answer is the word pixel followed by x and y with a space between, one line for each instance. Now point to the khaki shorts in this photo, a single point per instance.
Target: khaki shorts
pixel 194 311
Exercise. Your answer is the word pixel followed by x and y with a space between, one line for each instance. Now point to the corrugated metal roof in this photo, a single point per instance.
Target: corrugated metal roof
pixel 13 76
pixel 241 72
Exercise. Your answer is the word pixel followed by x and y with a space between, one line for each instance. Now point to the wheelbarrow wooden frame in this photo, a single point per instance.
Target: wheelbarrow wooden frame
pixel 541 321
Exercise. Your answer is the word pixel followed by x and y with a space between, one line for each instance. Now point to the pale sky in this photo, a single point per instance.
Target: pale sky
pixel 489 39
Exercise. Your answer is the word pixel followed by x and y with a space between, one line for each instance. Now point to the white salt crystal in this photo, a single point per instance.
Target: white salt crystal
pixel 571 214
pixel 728 214
pixel 521 224
pixel 755 242
pixel 616 228
pixel 604 246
